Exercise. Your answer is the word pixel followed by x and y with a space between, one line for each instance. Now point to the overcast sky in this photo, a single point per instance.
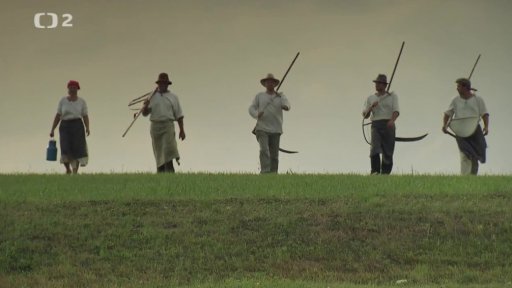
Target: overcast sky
pixel 217 51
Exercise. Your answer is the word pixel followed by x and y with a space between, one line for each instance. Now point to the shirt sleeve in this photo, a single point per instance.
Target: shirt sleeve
pixel 85 111
pixel 284 101
pixel 152 100
pixel 178 112
pixel 481 106
pixel 451 109
pixel 396 106
pixel 366 106
pixel 253 109
pixel 59 107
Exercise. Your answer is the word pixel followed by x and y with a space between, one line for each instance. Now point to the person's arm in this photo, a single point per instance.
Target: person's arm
pixel 86 123
pixel 56 121
pixel 448 114
pixel 482 108
pixel 146 110
pixel 485 117
pixel 391 121
pixel 254 109
pixel 368 108
pixel 395 107
pixel 182 128
pixel 446 117
pixel 285 104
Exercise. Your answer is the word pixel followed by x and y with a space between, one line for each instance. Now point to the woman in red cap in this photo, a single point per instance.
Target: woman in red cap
pixel 72 115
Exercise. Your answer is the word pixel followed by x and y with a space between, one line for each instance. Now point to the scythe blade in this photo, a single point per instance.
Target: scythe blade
pixel 288 151
pixel 410 139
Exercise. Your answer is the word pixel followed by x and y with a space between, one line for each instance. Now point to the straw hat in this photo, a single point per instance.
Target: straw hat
pixel 270 76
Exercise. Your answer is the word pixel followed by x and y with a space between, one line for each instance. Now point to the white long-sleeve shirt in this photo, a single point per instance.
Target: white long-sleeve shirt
pixel 165 107
pixel 464 108
pixel 387 105
pixel 271 105
pixel 69 110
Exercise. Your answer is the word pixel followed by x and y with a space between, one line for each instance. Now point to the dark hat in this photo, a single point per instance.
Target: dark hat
pixel 464 82
pixel 270 76
pixel 74 83
pixel 381 78
pixel 163 77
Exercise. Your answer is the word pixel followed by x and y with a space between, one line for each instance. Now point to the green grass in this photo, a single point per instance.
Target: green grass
pixel 203 230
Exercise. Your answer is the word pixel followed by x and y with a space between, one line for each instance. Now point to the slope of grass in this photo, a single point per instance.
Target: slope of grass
pixel 200 230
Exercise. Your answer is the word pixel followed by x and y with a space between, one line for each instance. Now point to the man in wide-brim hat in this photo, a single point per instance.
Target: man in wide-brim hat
pixel 267 107
pixel 468 106
pixel 383 109
pixel 165 109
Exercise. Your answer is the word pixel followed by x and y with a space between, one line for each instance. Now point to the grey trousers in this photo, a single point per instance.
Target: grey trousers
pixel 383 142
pixel 269 151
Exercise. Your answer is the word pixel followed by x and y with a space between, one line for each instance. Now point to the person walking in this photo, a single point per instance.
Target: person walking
pixel 468 107
pixel 72 114
pixel 165 109
pixel 267 108
pixel 383 109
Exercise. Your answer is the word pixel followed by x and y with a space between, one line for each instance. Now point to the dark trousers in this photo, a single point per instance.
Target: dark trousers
pixel 166 168
pixel 383 142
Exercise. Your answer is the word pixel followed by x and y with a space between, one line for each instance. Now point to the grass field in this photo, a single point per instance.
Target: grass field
pixel 235 230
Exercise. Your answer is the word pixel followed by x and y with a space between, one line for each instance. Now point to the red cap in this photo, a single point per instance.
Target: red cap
pixel 74 83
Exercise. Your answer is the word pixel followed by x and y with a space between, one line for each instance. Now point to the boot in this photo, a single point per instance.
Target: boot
pixel 169 167
pixel 386 168
pixel 375 162
pixel 387 165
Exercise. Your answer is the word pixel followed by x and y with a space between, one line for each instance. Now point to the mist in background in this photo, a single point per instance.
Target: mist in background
pixel 217 51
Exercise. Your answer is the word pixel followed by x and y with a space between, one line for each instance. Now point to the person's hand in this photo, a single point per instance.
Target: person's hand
pixel 486 131
pixel 367 113
pixel 391 123
pixel 51 134
pixel 87 131
pixel 285 108
pixel 145 103
pixel 182 135
pixel 260 114
pixel 445 129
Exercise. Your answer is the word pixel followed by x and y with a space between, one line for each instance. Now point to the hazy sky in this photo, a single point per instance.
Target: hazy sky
pixel 216 52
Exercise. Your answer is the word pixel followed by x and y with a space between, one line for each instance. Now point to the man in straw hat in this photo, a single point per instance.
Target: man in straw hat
pixel 384 110
pixel 464 107
pixel 267 107
pixel 164 108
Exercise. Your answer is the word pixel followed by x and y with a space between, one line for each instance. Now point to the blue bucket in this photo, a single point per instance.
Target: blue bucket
pixel 51 151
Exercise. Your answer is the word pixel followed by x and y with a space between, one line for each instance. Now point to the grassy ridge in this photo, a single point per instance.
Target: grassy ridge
pixel 47 188
pixel 248 230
